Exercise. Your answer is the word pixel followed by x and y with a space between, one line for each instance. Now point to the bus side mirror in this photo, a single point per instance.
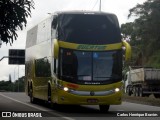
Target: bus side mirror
pixel 54 22
pixel 56 49
pixel 127 50
pixel 125 78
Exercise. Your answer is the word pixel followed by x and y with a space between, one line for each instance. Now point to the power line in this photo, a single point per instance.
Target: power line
pixel 90 3
pixel 100 5
pixel 95 4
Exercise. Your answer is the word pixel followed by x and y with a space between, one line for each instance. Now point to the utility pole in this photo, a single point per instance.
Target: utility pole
pixel 100 6
pixel 14 77
pixel 18 78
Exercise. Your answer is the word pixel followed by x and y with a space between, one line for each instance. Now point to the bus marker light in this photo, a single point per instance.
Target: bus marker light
pixel 73 86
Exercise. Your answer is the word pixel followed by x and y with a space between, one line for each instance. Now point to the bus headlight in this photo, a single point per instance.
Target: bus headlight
pixel 117 89
pixel 65 89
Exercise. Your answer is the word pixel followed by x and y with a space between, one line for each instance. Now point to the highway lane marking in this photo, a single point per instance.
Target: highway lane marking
pixel 42 109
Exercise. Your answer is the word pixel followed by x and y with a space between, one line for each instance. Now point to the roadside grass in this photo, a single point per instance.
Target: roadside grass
pixel 151 100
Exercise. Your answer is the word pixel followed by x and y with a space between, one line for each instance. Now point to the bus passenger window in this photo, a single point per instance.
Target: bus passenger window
pixel 56 66
pixel 42 68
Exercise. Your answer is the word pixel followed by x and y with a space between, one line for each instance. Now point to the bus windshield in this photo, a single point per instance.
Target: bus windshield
pixel 88 67
pixel 89 28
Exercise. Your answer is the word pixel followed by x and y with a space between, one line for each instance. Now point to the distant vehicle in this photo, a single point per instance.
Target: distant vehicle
pixel 75 57
pixel 143 82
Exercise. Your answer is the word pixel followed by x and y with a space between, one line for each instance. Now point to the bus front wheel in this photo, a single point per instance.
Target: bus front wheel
pixel 104 108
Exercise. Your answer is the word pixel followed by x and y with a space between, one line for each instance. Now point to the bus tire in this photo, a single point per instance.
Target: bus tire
pixel 147 95
pixel 141 94
pixel 32 99
pixel 137 91
pixel 49 101
pixel 157 95
pixel 134 91
pixel 104 108
pixel 28 89
pixel 128 91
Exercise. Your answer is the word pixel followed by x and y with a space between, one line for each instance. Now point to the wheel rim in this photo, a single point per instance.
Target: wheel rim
pixel 134 91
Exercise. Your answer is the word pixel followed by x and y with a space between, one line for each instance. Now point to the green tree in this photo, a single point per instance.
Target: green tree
pixel 145 31
pixel 16 86
pixel 5 86
pixel 13 14
pixel 127 29
pixel 19 84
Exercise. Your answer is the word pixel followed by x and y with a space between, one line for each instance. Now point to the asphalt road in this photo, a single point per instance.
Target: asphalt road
pixel 19 103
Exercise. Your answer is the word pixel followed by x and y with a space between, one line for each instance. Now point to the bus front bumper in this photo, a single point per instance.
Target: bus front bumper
pixel 64 97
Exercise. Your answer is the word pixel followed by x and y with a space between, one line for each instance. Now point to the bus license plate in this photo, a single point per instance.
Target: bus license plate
pixel 92 100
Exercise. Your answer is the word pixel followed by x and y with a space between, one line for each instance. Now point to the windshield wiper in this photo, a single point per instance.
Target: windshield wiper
pixel 111 77
pixel 67 76
pixel 83 75
pixel 102 77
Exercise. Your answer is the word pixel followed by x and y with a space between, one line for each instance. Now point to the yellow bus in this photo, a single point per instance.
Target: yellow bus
pixel 75 57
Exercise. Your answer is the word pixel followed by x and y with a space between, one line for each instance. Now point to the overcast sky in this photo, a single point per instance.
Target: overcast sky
pixel 42 7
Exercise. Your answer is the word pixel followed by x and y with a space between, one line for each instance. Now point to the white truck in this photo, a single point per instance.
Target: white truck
pixel 143 82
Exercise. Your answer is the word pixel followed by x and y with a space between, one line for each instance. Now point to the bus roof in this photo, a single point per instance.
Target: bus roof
pixel 83 12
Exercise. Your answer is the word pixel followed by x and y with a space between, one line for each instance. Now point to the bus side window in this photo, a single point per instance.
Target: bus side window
pixel 56 66
pixel 125 77
pixel 54 33
pixel 42 67
pixel 28 68
pixel 54 22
